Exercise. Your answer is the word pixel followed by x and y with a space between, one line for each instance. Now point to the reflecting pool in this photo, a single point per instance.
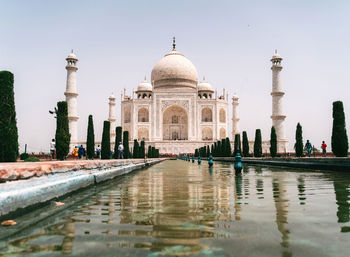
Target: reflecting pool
pixel 179 208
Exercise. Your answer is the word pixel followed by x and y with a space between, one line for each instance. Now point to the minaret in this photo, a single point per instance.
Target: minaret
pixel 112 118
pixel 235 119
pixel 71 98
pixel 277 94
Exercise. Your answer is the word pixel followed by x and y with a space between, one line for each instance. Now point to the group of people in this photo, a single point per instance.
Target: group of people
pixel 120 151
pixel 79 152
pixel 309 148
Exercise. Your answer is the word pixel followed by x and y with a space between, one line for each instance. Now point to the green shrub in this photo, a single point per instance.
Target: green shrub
pixel 127 154
pixel 149 152
pixel 62 131
pixel 90 141
pixel 136 150
pixel 118 139
pixel 237 145
pixel 245 144
pixel 196 153
pixel 340 144
pixel 8 123
pixel 257 144
pixel 32 159
pixel 154 152
pixel 23 156
pixel 142 149
pixel 273 142
pixel 106 141
pixel 299 145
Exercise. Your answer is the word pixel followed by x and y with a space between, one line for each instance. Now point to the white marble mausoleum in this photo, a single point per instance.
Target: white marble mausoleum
pixel 174 111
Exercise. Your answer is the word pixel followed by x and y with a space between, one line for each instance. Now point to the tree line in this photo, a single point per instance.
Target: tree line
pixel 339 140
pixel 138 150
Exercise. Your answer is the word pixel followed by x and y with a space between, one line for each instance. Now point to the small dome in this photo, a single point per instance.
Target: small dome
pixel 174 69
pixel 235 97
pixel 111 97
pixel 72 56
pixel 144 86
pixel 205 86
pixel 276 56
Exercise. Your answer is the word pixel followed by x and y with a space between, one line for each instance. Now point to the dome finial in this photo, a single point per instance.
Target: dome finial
pixel 145 79
pixel 174 44
pixel 275 51
pixel 203 78
pixel 72 51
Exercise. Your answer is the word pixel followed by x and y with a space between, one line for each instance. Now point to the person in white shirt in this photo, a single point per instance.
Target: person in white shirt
pixel 120 151
pixel 52 149
pixel 98 151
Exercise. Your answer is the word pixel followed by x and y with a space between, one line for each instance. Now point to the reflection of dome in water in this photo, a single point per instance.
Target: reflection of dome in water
pixel 174 69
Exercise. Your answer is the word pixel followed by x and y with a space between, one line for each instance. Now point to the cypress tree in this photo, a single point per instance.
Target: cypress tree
pixel 8 123
pixel 223 147
pixel 196 153
pixel 142 149
pixel 149 152
pixel 237 146
pixel 62 131
pixel 299 145
pixel 273 142
pixel 90 141
pixel 153 152
pixel 212 149
pixel 215 154
pixel 106 141
pixel 340 144
pixel 219 154
pixel 245 144
pixel 118 139
pixel 127 154
pixel 136 150
pixel 228 147
pixel 257 144
pixel 157 153
pixel 208 151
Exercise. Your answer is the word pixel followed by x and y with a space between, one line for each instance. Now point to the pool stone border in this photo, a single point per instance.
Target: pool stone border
pixel 20 197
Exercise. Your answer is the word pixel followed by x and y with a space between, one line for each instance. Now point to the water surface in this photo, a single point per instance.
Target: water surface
pixel 178 208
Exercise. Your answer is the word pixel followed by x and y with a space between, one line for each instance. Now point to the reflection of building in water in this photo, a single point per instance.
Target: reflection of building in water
pixel 281 203
pixel 68 232
pixel 180 206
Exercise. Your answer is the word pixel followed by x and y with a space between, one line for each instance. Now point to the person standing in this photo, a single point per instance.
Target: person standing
pixel 81 152
pixel 308 148
pixel 120 151
pixel 98 151
pixel 52 149
pixel 324 148
pixel 75 152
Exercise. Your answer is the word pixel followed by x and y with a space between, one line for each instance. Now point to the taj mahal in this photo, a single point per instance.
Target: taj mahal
pixel 174 111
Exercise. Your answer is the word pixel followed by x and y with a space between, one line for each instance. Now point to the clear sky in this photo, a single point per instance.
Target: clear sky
pixel 229 42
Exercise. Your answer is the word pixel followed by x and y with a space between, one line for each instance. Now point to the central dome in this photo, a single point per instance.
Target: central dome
pixel 175 70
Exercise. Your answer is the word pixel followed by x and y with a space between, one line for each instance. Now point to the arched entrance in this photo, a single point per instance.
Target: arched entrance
pixel 175 123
